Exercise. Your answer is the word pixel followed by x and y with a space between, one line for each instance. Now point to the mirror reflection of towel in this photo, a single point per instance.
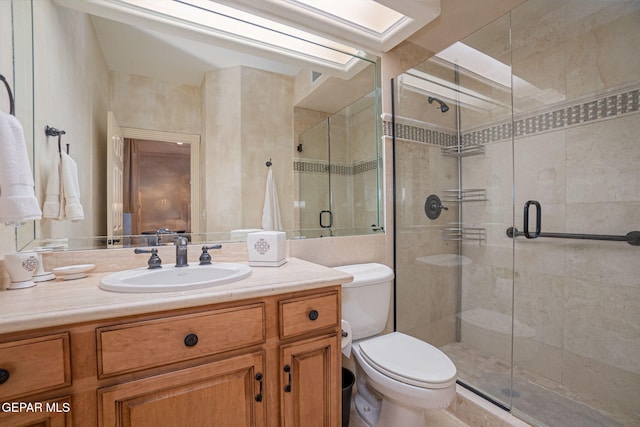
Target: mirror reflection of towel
pixel 271 220
pixel 62 200
pixel 18 202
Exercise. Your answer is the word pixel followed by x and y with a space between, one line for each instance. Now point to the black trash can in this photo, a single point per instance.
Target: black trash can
pixel 348 379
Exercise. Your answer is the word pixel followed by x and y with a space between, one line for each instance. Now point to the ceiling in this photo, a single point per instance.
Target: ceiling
pixel 183 39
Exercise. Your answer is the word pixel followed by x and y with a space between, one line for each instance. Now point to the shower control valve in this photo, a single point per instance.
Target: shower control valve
pixel 433 207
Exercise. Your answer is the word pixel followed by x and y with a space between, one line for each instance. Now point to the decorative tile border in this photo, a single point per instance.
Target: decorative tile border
pixel 320 166
pixel 413 132
pixel 367 165
pixel 568 116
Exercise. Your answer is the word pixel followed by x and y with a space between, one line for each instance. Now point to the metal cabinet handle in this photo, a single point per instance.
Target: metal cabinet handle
pixel 259 377
pixel 191 340
pixel 287 388
pixel 313 315
pixel 4 376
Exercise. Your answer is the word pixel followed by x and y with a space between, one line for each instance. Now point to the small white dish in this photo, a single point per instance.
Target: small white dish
pixel 71 272
pixel 44 277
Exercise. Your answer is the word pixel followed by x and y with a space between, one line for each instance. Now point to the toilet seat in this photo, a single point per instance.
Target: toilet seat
pixel 409 360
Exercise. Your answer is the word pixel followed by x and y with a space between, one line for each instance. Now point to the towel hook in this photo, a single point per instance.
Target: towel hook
pixel 12 105
pixel 51 131
pixel 269 163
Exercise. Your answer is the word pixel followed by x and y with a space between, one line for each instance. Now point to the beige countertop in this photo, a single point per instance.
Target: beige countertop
pixel 61 302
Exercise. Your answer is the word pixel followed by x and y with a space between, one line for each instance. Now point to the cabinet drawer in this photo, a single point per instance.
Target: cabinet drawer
pixel 306 314
pixel 34 365
pixel 147 344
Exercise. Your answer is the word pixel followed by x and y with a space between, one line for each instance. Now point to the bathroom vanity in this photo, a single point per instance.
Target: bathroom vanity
pixel 264 351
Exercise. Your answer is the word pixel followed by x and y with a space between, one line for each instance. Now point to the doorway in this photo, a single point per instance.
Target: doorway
pixel 157 180
pixel 116 179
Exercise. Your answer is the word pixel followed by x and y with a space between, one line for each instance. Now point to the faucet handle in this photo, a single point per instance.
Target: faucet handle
pixel 154 260
pixel 205 258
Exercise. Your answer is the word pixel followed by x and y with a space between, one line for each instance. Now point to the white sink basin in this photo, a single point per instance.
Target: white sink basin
pixel 169 278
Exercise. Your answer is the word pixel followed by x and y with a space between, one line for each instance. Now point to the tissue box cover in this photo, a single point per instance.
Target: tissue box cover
pixel 266 248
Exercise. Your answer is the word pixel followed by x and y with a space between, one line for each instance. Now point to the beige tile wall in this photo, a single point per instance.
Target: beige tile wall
pixel 426 294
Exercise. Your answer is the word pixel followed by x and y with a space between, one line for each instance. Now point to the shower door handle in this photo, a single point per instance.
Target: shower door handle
pixel 330 219
pixel 527 208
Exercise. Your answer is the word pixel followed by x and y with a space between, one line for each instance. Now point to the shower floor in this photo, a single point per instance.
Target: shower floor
pixel 549 402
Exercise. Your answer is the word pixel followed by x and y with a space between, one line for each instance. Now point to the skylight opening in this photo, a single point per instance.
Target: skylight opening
pixel 477 62
pixel 250 29
pixel 498 72
pixel 365 14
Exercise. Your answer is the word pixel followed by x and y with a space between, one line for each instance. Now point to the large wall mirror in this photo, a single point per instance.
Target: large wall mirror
pixel 172 89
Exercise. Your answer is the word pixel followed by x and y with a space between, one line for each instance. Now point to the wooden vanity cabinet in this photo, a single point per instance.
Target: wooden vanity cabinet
pixel 311 366
pixel 264 362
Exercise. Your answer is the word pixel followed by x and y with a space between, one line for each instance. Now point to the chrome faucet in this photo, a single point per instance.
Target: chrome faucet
pixel 181 243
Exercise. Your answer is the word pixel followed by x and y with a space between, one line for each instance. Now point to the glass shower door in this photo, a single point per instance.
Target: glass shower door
pixel 313 167
pixel 484 350
pixel 577 302
pixel 454 270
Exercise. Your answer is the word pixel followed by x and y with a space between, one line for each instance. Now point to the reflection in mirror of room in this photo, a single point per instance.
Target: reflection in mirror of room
pixel 241 114
pixel 156 186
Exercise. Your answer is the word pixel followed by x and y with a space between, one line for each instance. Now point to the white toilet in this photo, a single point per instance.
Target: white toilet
pixel 398 376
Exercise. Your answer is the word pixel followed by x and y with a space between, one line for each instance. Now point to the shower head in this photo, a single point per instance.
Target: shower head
pixel 443 107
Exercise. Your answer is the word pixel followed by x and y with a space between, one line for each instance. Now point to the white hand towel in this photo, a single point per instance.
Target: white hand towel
pixel 62 201
pixel 271 220
pixel 71 189
pixel 52 207
pixel 18 202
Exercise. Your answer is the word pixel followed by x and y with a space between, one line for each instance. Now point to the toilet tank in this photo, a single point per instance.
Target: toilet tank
pixel 366 300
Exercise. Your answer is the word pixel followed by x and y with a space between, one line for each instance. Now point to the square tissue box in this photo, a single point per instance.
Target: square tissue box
pixel 266 248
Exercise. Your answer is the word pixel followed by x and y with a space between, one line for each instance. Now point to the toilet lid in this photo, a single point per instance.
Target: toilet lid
pixel 409 360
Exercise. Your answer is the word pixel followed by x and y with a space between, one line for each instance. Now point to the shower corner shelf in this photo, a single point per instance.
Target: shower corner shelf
pixel 458 232
pixel 463 150
pixel 465 195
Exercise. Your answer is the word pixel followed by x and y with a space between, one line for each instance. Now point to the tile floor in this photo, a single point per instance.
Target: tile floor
pixel 433 418
pixel 531 391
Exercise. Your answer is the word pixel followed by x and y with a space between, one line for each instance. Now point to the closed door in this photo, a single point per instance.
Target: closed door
pixel 227 393
pixel 310 383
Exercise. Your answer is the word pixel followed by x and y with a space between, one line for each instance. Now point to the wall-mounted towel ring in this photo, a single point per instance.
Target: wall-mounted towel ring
pixel 269 163
pixel 49 131
pixel 12 105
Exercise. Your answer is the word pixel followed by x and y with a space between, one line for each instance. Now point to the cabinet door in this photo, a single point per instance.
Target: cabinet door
pixel 311 390
pixel 224 393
